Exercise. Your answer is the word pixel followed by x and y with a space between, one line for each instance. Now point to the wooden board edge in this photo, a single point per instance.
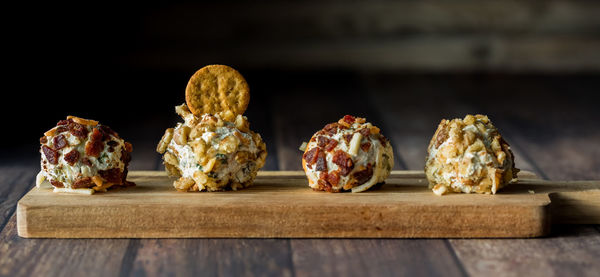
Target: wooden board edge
pixel 534 222
pixel 22 224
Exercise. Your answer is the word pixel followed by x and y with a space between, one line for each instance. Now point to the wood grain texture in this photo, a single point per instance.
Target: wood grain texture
pixel 374 257
pixel 62 257
pixel 573 250
pixel 278 206
pixel 213 257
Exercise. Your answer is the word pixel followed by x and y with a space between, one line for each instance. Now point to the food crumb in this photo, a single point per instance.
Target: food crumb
pixel 303 146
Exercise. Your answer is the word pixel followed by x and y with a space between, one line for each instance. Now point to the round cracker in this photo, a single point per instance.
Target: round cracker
pixel 217 88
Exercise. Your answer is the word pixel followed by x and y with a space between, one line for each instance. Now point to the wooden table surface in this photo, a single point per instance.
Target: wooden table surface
pixel 551 123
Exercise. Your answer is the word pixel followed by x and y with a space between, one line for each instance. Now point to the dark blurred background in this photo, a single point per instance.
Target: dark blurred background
pixel 402 64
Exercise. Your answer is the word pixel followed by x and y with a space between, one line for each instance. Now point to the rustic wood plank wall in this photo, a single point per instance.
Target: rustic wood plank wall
pixel 429 35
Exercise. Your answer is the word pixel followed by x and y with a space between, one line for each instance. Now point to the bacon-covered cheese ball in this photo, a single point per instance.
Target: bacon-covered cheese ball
pixel 469 155
pixel 80 155
pixel 350 154
pixel 212 152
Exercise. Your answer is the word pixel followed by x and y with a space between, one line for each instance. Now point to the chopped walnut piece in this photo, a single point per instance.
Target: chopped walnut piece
pixel 183 183
pixel 164 141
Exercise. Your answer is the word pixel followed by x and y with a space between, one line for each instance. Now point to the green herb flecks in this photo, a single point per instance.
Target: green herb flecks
pixel 102 158
pixel 212 175
pixel 222 158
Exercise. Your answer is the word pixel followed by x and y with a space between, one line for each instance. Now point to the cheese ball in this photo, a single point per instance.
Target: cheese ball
pixel 212 152
pixel 350 154
pixel 469 155
pixel 80 155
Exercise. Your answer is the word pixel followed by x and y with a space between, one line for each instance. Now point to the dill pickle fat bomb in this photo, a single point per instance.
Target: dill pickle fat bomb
pixel 80 155
pixel 469 155
pixel 350 154
pixel 212 152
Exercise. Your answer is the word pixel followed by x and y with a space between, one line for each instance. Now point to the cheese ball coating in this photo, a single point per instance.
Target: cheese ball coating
pixel 212 152
pixel 80 155
pixel 469 155
pixel 350 154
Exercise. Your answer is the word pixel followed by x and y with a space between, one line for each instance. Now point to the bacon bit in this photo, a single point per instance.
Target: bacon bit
pixel 365 146
pixel 348 138
pixel 43 140
pixel 383 140
pixel 125 157
pixel 72 157
pixel 331 128
pixel 60 142
pixel 57 184
pixel 51 154
pixel 83 182
pixel 322 141
pixel 310 157
pixel 349 119
pixel 313 139
pixel 127 183
pixel 321 162
pixel 365 132
pixel 112 175
pixel 128 147
pixel 64 122
pixel 364 175
pixel 323 185
pixel 94 146
pixel 333 178
pixel 61 129
pixel 78 130
pixel 107 130
pixel 344 162
pixel 323 175
pixel 331 145
pixel 124 177
pixel 86 161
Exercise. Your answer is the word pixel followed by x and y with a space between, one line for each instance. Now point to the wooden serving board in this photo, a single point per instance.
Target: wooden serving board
pixel 281 205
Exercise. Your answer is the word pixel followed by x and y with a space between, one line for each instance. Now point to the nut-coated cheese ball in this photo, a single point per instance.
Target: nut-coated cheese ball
pixel 469 155
pixel 212 152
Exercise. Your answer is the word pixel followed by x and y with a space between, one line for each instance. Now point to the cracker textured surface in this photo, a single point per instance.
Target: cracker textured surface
pixel 217 88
